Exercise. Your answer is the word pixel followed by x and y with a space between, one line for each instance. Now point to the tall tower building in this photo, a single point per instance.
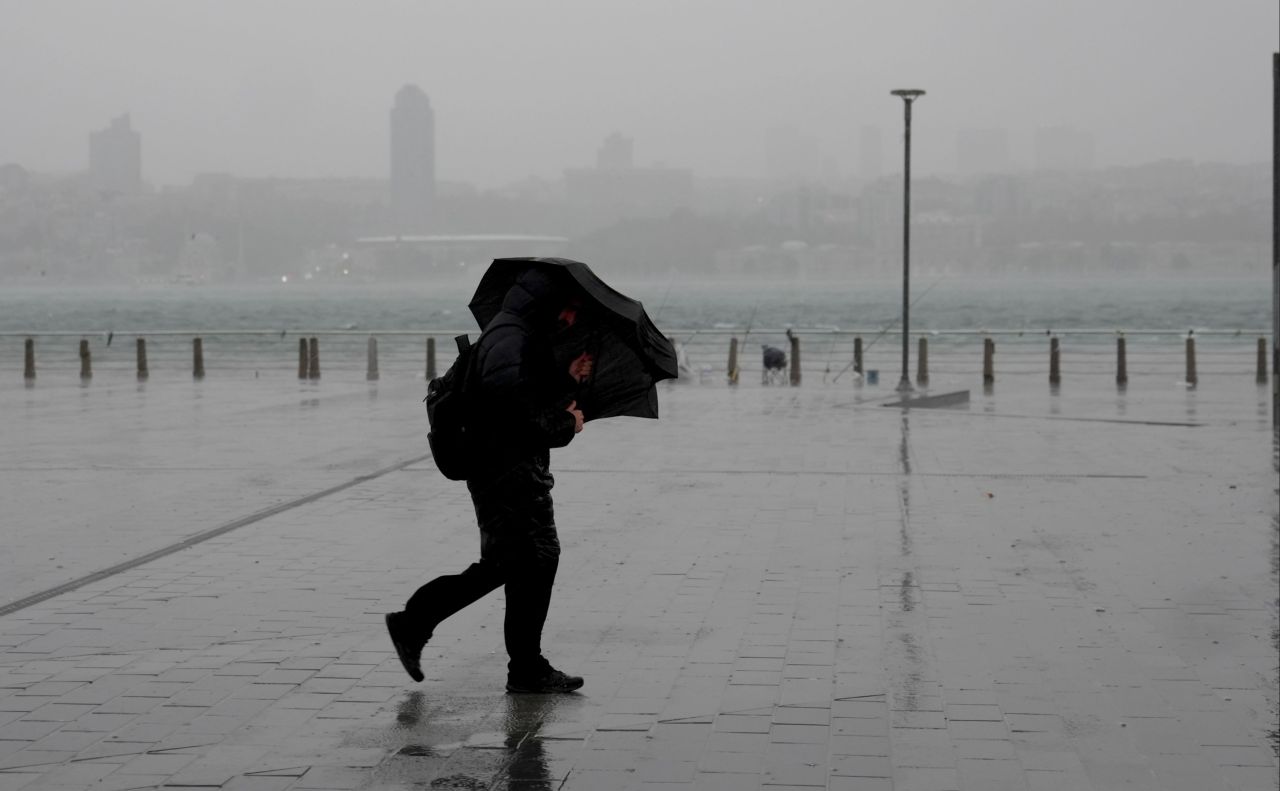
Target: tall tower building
pixel 413 160
pixel 616 153
pixel 115 158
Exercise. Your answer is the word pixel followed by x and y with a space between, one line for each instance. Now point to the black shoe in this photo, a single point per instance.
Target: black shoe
pixel 552 681
pixel 410 656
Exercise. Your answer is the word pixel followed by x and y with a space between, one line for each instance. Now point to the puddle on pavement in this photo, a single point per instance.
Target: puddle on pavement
pixel 905 595
pixel 467 742
pixel 906 695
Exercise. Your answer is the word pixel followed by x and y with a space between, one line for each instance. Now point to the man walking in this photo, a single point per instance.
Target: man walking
pixel 522 408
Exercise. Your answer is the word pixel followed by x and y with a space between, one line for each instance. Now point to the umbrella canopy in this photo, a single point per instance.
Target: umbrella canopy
pixel 631 355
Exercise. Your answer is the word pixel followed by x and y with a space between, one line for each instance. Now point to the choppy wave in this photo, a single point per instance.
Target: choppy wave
pixel 959 304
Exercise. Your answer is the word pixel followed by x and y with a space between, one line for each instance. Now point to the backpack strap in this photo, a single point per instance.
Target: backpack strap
pixel 464 343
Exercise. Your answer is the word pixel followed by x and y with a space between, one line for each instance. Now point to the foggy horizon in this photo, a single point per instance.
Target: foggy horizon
pixel 304 89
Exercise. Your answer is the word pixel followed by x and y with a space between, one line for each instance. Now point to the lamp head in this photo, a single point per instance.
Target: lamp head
pixel 908 94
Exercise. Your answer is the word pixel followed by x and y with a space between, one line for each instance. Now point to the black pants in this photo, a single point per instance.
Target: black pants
pixel 519 550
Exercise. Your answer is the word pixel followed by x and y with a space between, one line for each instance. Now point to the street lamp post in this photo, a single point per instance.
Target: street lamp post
pixel 908 96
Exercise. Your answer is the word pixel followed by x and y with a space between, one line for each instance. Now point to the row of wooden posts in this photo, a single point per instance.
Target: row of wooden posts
pixel 988 361
pixel 309 360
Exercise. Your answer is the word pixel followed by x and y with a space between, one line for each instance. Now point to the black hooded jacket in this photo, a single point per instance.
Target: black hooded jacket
pixel 520 407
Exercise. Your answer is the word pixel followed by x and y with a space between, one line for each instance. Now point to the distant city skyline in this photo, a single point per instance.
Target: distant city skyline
pixel 115 162
pixel 245 88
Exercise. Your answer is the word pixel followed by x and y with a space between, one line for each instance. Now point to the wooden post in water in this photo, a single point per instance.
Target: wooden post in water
pixel 1122 365
pixel 313 358
pixel 922 363
pixel 197 353
pixel 431 359
pixel 988 361
pixel 857 355
pixel 1192 379
pixel 1055 371
pixel 1262 361
pixel 86 363
pixel 372 374
pixel 302 358
pixel 143 373
pixel 733 361
pixel 795 359
pixel 29 360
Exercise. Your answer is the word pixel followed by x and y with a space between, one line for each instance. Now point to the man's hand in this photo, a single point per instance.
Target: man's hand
pixel 581 367
pixel 572 409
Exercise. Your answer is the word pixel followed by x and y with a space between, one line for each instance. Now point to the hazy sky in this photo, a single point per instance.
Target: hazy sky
pixel 529 87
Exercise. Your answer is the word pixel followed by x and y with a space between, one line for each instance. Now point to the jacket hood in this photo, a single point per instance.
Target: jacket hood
pixel 537 297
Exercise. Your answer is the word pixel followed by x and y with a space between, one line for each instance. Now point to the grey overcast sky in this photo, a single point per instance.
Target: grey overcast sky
pixel 525 87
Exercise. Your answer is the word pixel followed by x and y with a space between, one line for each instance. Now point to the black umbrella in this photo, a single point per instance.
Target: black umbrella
pixel 630 353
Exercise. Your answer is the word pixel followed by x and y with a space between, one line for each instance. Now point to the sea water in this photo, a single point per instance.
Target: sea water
pixel 1228 314
pixel 948 304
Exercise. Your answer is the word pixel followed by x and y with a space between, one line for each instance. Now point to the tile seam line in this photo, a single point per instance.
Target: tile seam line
pixel 198 538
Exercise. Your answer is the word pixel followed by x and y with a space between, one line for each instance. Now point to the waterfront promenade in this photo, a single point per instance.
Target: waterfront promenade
pixel 769 588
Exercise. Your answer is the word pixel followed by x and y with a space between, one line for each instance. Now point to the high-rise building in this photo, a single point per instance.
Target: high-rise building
pixel 1063 148
pixel 615 189
pixel 616 153
pixel 870 154
pixel 115 158
pixel 982 151
pixel 413 160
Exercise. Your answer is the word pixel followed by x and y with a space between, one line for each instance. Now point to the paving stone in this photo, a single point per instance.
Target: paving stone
pixel 18 780
pixel 1250 777
pixel 662 770
pixel 991 775
pixel 166 764
pixel 860 784
pixel 324 778
pixel 799 734
pixel 861 766
pixel 27 731
pixel 725 781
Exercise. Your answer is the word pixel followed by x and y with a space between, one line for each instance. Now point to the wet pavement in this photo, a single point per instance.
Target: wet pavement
pixel 770 588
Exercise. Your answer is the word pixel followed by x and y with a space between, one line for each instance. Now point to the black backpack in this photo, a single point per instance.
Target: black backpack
pixel 448 412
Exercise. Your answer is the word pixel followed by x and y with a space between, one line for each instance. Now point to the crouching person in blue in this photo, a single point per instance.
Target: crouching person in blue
pixel 523 408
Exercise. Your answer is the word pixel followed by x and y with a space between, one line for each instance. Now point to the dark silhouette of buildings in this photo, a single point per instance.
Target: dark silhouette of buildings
pixel 115 158
pixel 616 153
pixel 413 161
pixel 615 189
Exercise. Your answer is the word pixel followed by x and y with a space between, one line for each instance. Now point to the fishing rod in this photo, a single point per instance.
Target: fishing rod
pixel 831 349
pixel 671 278
pixel 733 375
pixel 886 328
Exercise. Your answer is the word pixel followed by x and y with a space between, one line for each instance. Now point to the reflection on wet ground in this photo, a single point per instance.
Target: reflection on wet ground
pixel 906 658
pixel 469 743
